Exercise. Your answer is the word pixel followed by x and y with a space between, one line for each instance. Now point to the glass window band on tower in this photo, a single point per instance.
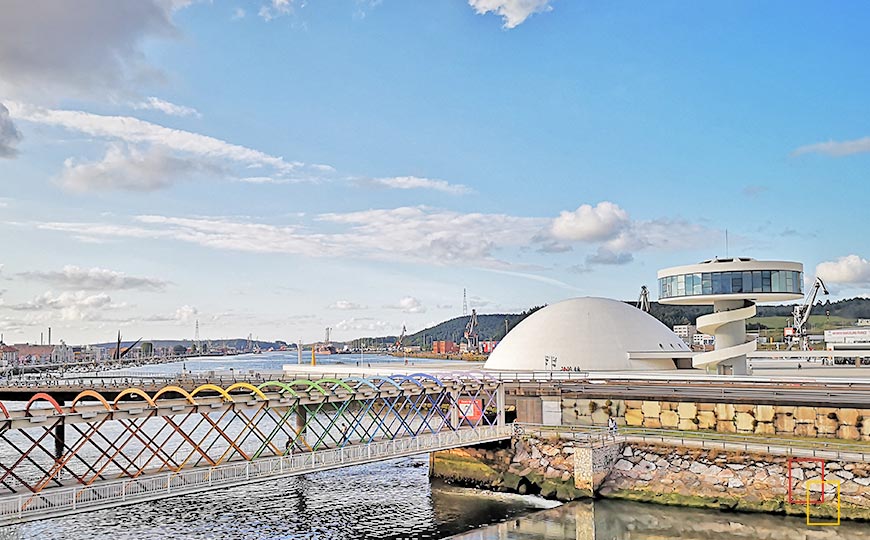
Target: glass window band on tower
pixel 757 281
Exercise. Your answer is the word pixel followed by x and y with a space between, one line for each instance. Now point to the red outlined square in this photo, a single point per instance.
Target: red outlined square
pixel 791 499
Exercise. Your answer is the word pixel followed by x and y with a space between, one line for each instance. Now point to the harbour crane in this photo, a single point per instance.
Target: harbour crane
pixel 400 339
pixel 801 313
pixel 643 299
pixel 471 332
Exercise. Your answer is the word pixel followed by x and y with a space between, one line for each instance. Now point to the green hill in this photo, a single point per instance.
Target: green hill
pixel 492 326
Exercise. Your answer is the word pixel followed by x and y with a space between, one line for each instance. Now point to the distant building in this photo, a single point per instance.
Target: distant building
pixel 45 354
pixel 444 347
pixel 863 322
pixel 488 346
pixel 686 332
pixel 8 355
pixel 848 336
pixel 703 340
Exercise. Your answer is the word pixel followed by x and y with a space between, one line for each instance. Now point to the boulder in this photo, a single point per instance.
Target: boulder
pixel 744 422
pixel 669 419
pixel 848 432
pixel 784 423
pixel 764 413
pixel 724 411
pixel 654 423
pixel 765 428
pixel 848 417
pixel 623 465
pixel 725 426
pixel 706 420
pixel 634 417
pixel 827 425
pixel 805 430
pixel 805 415
pixel 687 424
pixel 651 408
pixel 687 411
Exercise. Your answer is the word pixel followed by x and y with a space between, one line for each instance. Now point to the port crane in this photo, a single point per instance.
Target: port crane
pixel 801 313
pixel 400 339
pixel 471 332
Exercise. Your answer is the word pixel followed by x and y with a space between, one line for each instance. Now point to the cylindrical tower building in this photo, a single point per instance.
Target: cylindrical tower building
pixel 732 287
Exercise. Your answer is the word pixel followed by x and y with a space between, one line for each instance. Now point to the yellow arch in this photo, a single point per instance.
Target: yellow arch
pixel 247 386
pixel 89 393
pixel 176 389
pixel 213 388
pixel 134 391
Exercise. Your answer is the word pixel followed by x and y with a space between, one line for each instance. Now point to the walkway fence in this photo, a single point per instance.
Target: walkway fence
pixel 56 502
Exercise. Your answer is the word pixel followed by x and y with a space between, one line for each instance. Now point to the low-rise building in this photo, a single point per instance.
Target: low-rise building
pixel 848 336
pixel 703 340
pixel 444 347
pixel 8 355
pixel 45 354
pixel 686 332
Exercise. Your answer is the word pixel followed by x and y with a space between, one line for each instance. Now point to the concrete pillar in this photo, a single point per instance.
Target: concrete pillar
pixel 500 404
pixel 551 410
pixel 59 437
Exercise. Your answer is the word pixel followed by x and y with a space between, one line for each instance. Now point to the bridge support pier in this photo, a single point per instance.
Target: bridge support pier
pixel 59 439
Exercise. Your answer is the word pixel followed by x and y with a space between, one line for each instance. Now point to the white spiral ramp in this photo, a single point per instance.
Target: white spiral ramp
pixel 728 324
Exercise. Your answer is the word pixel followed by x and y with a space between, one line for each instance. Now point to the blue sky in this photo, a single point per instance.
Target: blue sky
pixel 276 167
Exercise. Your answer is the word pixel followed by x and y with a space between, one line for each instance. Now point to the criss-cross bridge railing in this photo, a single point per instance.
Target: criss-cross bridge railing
pixel 90 452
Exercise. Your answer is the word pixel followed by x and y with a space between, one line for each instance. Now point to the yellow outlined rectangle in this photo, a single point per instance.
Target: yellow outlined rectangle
pixel 822 484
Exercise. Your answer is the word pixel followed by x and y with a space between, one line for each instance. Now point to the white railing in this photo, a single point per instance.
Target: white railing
pixel 60 501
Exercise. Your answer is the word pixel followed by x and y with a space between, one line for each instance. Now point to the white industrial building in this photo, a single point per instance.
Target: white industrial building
pixel 844 337
pixel 590 334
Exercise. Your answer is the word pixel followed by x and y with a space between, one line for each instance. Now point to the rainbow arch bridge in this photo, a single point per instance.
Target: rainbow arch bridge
pixel 91 452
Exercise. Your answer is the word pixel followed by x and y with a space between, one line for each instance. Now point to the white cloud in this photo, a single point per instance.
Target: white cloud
pixel 591 223
pixel 130 169
pixel 239 13
pixel 513 12
pixel 414 182
pixel 183 315
pixel 9 134
pixel 276 8
pixel 75 277
pixel 345 305
pixel 71 306
pixel 836 148
pixel 364 323
pixel 409 304
pixel 87 48
pixel 848 270
pixel 157 104
pixel 136 131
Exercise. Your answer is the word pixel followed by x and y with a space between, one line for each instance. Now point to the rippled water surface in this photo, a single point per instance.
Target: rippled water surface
pixel 623 520
pixel 390 500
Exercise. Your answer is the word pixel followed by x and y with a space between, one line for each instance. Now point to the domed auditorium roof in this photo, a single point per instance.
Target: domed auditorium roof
pixel 590 334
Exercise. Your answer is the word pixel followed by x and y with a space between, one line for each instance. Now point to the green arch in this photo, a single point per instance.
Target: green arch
pixel 284 386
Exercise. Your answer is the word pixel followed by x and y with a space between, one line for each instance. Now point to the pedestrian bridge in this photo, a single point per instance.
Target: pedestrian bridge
pixel 92 453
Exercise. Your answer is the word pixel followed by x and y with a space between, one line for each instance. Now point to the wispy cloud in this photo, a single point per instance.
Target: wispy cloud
pixel 9 134
pixel 408 304
pixel 345 305
pixel 157 104
pixel 97 279
pixel 414 182
pixel 836 148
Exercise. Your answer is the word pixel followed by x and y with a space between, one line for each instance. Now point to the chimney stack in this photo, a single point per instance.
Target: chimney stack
pixel 49 335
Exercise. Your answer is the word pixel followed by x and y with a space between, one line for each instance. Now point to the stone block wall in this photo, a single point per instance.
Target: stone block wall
pixel 735 480
pixel 822 422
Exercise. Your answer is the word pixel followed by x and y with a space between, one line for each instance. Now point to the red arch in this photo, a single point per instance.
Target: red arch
pixel 45 397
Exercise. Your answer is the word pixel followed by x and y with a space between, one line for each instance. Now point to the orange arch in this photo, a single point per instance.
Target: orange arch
pixel 213 388
pixel 89 393
pixel 247 386
pixel 3 408
pixel 175 389
pixel 134 391
pixel 45 397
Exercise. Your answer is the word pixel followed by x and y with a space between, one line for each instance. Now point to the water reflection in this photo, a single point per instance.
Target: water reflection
pixel 623 520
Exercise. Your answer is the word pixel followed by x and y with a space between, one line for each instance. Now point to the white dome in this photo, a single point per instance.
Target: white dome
pixel 591 334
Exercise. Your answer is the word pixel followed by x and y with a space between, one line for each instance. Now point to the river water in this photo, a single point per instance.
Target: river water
pixel 396 500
